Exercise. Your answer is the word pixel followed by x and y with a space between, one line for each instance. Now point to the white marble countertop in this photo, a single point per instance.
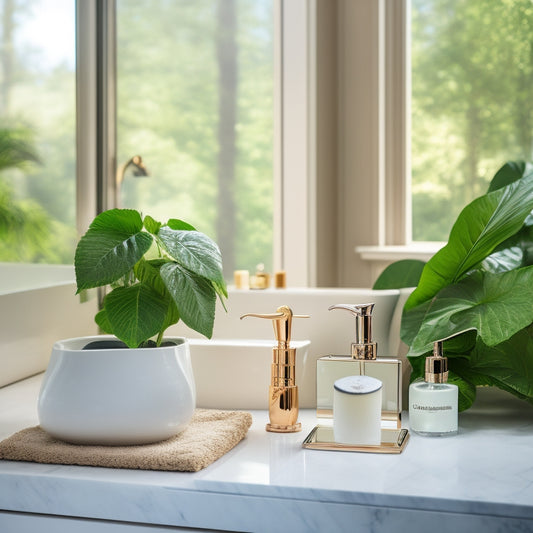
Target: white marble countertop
pixel 481 478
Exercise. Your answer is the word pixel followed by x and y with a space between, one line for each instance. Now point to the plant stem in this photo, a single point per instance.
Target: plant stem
pixel 159 339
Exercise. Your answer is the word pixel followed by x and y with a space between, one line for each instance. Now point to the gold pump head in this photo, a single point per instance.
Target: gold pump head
pixel 282 322
pixel 283 392
pixel 436 365
pixel 363 346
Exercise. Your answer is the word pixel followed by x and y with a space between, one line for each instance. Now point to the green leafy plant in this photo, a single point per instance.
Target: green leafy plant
pixel 479 289
pixel 159 273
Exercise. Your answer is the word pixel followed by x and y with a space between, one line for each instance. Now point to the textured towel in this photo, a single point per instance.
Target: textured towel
pixel 209 435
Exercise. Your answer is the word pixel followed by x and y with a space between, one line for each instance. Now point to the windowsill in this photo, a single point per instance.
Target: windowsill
pixel 17 277
pixel 421 250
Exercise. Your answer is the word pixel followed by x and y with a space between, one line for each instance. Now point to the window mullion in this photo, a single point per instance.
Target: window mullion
pixel 295 209
pixel 106 104
pixel 396 83
pixel 95 108
pixel 86 123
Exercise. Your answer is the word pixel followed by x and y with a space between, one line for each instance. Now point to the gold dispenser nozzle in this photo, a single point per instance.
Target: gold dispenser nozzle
pixel 283 392
pixel 436 370
pixel 363 347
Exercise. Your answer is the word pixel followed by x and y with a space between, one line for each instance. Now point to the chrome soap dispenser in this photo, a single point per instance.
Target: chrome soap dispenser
pixel 283 391
pixel 363 360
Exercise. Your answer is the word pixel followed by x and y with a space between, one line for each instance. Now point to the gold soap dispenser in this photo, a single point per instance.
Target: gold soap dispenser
pixel 363 360
pixel 283 391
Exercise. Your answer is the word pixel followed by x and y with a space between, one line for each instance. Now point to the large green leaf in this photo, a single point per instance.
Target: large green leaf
pixel 509 173
pixel 102 321
pixel 467 390
pixel 172 315
pixel 151 225
pixel 221 290
pixel 195 251
pixel 495 305
pixel 148 272
pixel 400 274
pixel 112 245
pixel 508 365
pixel 503 260
pixel 194 296
pixel 176 223
pixel 413 319
pixel 514 252
pixel 135 313
pixel 481 226
pixel 517 250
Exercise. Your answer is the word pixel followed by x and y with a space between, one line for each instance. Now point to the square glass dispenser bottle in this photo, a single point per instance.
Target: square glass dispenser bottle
pixel 363 361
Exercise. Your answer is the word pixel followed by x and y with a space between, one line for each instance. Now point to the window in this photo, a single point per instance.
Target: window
pixel 272 183
pixel 472 105
pixel 37 132
pixel 442 99
pixel 167 73
pixel 195 99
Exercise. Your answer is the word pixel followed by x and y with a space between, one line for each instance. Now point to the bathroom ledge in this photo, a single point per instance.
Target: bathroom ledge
pixel 482 479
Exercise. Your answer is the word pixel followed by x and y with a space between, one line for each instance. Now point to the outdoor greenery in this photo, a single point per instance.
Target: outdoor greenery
pixel 472 105
pixel 478 289
pixel 159 273
pixel 195 99
pixel 37 97
pixel 25 227
pixel 205 136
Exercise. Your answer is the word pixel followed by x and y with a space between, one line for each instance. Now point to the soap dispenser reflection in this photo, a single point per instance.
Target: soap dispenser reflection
pixel 283 391
pixel 363 360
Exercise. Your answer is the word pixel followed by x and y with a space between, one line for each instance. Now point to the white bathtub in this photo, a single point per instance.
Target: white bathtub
pixel 38 306
pixel 239 355
pixel 329 332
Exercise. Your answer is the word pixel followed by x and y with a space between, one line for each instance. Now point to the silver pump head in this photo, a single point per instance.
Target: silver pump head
pixel 363 346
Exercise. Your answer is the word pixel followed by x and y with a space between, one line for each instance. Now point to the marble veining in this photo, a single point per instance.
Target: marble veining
pixel 481 479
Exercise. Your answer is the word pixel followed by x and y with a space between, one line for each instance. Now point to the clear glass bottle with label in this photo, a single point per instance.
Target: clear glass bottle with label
pixel 433 403
pixel 363 361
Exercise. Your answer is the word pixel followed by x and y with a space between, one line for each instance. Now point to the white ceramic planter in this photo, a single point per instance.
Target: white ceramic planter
pixel 116 396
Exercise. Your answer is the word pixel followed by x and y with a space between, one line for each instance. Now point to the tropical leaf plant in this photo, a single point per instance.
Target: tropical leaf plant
pixel 159 273
pixel 16 148
pixel 479 289
pixel 25 226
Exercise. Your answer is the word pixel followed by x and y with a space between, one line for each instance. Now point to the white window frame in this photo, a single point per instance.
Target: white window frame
pixel 383 129
pixel 295 141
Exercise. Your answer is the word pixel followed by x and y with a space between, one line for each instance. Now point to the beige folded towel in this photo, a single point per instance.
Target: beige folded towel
pixel 209 435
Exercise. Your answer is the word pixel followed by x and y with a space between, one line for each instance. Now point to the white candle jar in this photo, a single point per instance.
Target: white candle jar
pixel 357 410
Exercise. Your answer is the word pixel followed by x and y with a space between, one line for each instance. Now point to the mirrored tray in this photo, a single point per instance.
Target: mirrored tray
pixel 321 438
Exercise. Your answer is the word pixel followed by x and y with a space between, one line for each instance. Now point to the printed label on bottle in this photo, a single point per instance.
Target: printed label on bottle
pixel 431 407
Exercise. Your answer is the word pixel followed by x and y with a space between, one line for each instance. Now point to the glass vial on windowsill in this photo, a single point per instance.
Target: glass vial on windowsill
pixel 261 280
pixel 433 403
